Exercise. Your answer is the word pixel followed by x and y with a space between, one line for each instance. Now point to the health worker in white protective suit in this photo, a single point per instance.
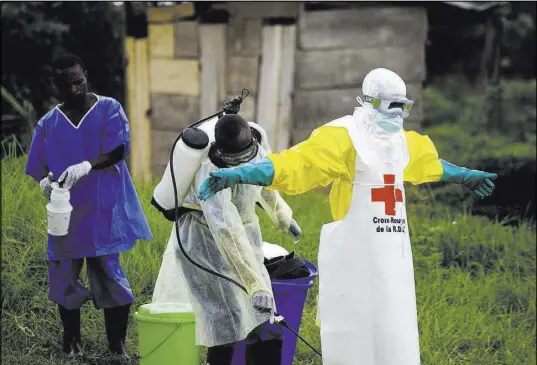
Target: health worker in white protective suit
pixel 223 234
pixel 367 301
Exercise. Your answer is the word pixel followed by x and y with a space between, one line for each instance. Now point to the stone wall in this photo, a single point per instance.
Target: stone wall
pixel 174 82
pixel 336 49
pixel 244 44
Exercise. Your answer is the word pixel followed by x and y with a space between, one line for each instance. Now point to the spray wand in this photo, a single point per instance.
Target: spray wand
pixel 278 319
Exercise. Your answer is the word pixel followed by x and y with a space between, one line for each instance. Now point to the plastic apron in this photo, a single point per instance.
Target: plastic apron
pixel 224 313
pixel 367 301
pixel 170 286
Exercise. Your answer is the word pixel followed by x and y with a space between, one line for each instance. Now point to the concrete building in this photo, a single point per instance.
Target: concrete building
pixel 303 64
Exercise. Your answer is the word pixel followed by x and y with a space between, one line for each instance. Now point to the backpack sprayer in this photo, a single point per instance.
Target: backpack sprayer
pixel 229 107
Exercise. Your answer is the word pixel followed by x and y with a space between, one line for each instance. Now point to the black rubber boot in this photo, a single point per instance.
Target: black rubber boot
pixel 72 340
pixel 220 355
pixel 116 321
pixel 264 353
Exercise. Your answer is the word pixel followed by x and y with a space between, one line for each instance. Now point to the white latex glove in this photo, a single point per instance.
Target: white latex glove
pixel 263 302
pixel 295 231
pixel 46 186
pixel 74 173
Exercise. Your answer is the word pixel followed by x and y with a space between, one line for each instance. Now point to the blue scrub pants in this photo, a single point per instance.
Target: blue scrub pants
pixel 109 287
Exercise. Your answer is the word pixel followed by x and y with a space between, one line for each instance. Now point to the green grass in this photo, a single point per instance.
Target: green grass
pixel 475 280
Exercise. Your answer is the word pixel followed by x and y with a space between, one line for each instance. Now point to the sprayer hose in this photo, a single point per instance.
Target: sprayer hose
pixel 179 238
pixel 177 208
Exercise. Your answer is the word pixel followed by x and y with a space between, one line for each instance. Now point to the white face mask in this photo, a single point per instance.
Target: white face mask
pixel 389 125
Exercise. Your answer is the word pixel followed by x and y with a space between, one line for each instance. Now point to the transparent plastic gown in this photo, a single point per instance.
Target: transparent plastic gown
pixel 224 236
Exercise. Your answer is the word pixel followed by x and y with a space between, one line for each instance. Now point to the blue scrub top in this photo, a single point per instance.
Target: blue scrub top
pixel 107 216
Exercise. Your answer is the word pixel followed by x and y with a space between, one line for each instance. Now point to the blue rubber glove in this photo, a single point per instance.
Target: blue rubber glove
pixel 254 173
pixel 479 182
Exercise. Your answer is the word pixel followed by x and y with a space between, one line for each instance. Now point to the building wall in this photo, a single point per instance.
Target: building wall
pixel 192 72
pixel 181 53
pixel 336 49
pixel 174 80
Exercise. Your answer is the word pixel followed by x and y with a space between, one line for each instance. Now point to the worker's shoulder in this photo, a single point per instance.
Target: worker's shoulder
pixel 256 126
pixel 413 134
pixel 51 114
pixel 108 101
pixel 336 127
pixel 342 122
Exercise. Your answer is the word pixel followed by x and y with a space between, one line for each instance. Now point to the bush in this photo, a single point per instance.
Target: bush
pixel 34 33
pixel 456 145
pixel 437 108
pixel 515 164
pixel 491 131
pixel 518 100
pixel 507 111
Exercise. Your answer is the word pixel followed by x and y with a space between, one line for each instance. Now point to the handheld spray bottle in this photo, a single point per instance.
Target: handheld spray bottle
pixel 59 209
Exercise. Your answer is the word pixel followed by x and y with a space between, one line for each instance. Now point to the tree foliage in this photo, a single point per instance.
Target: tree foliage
pixel 457 37
pixel 518 46
pixel 36 32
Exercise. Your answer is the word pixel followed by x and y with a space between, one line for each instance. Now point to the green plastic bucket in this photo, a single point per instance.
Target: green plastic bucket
pixel 167 334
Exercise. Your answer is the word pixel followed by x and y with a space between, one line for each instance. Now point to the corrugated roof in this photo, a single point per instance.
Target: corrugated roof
pixel 475 5
pixel 466 5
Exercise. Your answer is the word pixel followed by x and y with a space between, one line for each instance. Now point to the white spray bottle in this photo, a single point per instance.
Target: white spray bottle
pixel 59 210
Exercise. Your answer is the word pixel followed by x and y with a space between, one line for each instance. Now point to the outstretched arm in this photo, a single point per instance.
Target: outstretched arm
pixel 315 162
pixel 425 166
pixel 479 182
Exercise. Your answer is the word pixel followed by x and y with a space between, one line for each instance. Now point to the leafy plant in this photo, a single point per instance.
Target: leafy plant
pixel 34 33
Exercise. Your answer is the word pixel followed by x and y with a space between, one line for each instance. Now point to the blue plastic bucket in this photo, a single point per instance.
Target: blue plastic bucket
pixel 290 297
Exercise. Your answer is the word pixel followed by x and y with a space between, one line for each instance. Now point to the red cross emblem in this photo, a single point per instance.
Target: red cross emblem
pixel 388 194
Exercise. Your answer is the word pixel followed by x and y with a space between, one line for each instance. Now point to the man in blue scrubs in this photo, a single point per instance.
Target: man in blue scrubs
pixel 83 143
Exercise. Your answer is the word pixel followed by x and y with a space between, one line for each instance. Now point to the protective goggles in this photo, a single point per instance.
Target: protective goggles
pixel 234 159
pixel 391 105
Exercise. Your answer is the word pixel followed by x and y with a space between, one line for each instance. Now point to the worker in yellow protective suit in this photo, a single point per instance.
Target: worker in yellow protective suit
pixel 367 302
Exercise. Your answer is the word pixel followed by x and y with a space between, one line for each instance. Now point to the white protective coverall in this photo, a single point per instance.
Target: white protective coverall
pixel 369 250
pixel 223 235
